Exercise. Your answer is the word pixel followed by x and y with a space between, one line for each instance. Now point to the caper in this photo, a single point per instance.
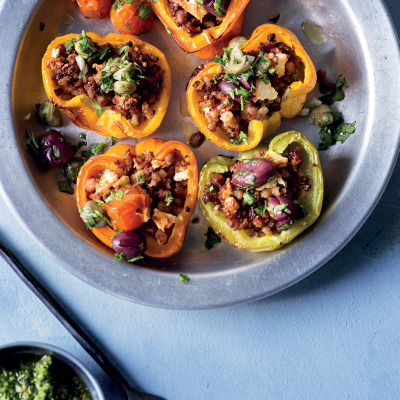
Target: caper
pixel 71 170
pixel 122 87
pixel 92 215
pixel 113 65
pixel 237 41
pixel 49 113
pixel 85 47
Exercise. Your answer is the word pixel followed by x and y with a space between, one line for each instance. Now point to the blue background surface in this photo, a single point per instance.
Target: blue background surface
pixel 334 335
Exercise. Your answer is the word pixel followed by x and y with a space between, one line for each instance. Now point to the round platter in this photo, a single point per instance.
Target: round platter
pixel 362 45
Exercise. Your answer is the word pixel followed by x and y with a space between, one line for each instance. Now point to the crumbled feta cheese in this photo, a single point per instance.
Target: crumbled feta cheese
pixel 181 176
pixel 163 220
pixel 280 67
pixel 55 53
pixel 264 91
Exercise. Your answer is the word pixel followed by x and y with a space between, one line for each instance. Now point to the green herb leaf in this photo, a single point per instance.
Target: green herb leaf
pixel 248 197
pixel 168 31
pixel 168 198
pixel 184 278
pixel 99 110
pixel 65 186
pixel 242 139
pixel 145 11
pixel 261 210
pixel 212 239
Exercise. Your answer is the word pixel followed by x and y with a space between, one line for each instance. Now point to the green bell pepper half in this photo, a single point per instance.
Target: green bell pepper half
pixel 312 202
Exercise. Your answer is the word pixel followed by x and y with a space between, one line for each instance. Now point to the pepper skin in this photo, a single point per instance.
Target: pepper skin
pixel 81 109
pixel 210 41
pixel 161 149
pixel 290 105
pixel 312 202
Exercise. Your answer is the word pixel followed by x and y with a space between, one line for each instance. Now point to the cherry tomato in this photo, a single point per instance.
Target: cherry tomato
pixel 133 18
pixel 97 9
pixel 129 209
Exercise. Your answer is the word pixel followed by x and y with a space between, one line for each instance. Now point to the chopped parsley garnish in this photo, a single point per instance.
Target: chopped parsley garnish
pixel 279 207
pixel 275 19
pixel 251 180
pixel 212 239
pixel 109 198
pixel 141 179
pixel 337 131
pixel 168 31
pixel 144 10
pixel 95 150
pixel 55 151
pixel 113 140
pixel 219 7
pixel 99 110
pixel 65 186
pixel 184 278
pixel 242 139
pixel 337 94
pixel 122 256
pixel 127 26
pixel 248 197
pixel 261 210
pixel 168 198
pixel 119 194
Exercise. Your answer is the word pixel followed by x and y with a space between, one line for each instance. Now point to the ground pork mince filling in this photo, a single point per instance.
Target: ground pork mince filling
pixel 257 91
pixel 165 181
pixel 246 208
pixel 124 78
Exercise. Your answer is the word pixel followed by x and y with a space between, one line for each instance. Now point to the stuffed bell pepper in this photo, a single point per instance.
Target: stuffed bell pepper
pixel 267 196
pixel 202 27
pixel 240 99
pixel 139 198
pixel 116 85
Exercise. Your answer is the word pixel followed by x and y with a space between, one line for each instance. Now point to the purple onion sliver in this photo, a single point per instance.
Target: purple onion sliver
pixel 245 84
pixel 209 6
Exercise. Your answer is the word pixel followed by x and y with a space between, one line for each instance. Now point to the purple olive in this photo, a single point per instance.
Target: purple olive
pixel 277 215
pixel 245 84
pixel 296 212
pixel 254 172
pixel 283 224
pixel 129 243
pixel 55 149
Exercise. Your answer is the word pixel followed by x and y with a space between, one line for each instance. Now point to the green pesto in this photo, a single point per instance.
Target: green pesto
pixel 35 379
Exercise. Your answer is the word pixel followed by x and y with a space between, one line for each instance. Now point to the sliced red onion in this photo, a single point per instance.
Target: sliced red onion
pixel 245 84
pixel 226 87
pixel 209 6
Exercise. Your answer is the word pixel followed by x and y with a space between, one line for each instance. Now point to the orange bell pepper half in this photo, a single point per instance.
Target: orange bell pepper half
pixel 83 111
pixel 291 104
pixel 133 208
pixel 210 41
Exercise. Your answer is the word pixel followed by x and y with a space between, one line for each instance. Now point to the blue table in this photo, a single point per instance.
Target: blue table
pixel 335 335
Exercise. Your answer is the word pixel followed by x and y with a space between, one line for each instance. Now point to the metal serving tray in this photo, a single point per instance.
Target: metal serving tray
pixel 362 45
